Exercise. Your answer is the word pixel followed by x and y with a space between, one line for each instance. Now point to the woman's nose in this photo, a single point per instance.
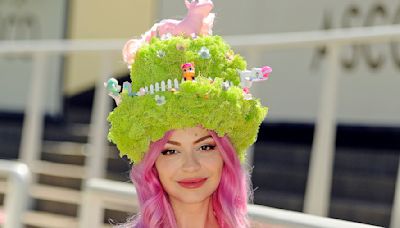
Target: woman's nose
pixel 190 163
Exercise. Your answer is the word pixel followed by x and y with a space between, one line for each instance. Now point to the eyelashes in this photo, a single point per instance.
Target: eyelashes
pixel 207 147
pixel 168 152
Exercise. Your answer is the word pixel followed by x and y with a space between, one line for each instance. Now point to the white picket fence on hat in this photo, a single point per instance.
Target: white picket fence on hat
pixel 163 87
pixel 320 172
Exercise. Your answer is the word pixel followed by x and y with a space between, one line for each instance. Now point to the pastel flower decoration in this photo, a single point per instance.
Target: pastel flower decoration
pixel 225 86
pixel 160 54
pixel 160 100
pixel 141 92
pixel 247 96
pixel 180 47
pixel 166 36
pixel 193 35
pixel 229 55
pixel 204 53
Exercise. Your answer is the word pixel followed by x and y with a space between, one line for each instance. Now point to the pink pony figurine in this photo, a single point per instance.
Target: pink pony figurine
pixel 198 21
pixel 247 77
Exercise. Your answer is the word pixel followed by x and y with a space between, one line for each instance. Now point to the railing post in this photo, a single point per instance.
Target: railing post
pixel 17 192
pixel 97 193
pixel 92 211
pixel 33 120
pixel 395 216
pixel 32 129
pixel 320 172
pixel 97 159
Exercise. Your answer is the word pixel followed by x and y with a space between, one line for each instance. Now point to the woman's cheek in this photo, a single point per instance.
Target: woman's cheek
pixel 168 164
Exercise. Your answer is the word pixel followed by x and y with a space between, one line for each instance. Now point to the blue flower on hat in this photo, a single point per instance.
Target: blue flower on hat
pixel 160 100
pixel 204 53
pixel 225 86
pixel 160 54
pixel 166 36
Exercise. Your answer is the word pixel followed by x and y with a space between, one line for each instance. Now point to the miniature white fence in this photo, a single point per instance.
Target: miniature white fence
pixel 16 197
pixel 162 86
pixel 320 174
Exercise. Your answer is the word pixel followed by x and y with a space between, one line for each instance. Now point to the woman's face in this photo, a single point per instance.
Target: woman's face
pixel 190 165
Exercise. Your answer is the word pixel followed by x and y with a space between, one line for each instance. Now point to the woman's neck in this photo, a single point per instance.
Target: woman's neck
pixel 194 215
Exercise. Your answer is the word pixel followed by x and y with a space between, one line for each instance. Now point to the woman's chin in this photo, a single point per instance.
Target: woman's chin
pixel 192 197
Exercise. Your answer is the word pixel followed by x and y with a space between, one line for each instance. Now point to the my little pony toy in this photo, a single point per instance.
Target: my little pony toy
pixel 247 77
pixel 198 21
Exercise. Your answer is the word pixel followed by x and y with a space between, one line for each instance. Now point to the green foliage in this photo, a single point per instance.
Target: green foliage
pixel 139 120
pixel 149 68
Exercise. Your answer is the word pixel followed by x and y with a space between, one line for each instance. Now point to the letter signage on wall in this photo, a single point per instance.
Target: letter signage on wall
pixel 30 20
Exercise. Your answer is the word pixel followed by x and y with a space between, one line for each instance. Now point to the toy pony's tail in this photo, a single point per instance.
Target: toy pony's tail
pixel 130 49
pixel 152 32
pixel 132 45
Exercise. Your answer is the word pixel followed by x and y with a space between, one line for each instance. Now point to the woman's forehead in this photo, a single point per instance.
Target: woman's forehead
pixel 193 132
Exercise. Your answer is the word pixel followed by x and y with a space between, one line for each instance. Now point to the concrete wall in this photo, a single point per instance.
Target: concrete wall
pixel 102 19
pixel 30 20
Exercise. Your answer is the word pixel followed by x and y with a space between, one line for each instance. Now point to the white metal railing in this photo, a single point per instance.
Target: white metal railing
pixel 320 174
pixel 98 192
pixel 17 192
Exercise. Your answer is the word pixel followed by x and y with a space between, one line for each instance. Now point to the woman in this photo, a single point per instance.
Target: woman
pixel 186 136
pixel 191 178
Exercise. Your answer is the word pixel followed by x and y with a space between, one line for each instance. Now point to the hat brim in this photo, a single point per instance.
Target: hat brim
pixel 140 120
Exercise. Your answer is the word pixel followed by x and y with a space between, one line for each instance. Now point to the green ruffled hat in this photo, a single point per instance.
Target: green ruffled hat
pixel 181 81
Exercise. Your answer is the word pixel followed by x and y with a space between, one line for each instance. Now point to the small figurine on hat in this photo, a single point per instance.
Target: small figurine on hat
pixel 247 77
pixel 113 89
pixel 188 71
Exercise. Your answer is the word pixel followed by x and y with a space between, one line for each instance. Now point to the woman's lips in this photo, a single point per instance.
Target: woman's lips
pixel 192 183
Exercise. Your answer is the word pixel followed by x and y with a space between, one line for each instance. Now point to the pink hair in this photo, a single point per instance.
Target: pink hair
pixel 229 200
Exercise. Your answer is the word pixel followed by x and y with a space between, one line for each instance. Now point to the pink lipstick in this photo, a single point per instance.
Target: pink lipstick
pixel 192 183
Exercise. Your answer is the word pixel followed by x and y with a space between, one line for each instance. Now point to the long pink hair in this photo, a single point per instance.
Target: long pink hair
pixel 229 200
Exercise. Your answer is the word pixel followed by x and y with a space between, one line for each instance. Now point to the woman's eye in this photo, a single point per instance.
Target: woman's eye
pixel 168 152
pixel 207 147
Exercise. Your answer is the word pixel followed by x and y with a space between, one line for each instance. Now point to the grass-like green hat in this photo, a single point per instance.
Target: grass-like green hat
pixel 181 81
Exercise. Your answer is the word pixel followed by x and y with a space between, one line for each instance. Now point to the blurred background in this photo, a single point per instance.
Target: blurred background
pixel 53 118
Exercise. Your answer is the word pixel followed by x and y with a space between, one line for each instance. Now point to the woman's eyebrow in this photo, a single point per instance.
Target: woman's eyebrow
pixel 174 143
pixel 202 139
